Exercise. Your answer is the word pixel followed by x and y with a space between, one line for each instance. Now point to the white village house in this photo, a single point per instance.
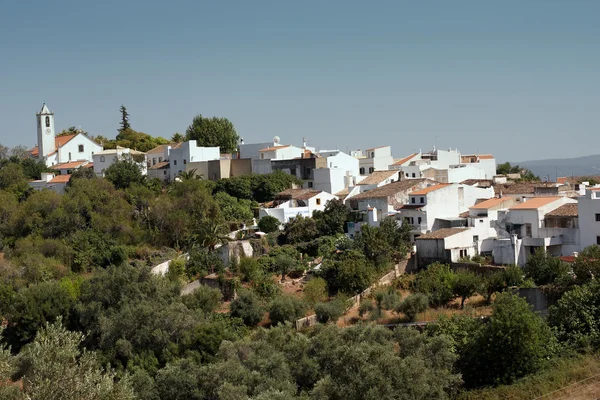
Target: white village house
pixel 293 202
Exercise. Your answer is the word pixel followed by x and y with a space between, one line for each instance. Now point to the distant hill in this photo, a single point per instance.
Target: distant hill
pixel 580 166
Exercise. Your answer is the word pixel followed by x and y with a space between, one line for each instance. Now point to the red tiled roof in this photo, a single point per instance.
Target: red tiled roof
pixel 493 202
pixel 405 159
pixel 566 210
pixel 59 141
pixel 68 165
pixel 60 179
pixel 535 203
pixel 485 156
pixel 378 177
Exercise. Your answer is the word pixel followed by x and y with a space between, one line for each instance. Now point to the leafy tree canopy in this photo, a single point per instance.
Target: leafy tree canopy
pixel 213 132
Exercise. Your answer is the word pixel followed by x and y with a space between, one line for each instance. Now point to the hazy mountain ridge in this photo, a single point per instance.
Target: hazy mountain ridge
pixel 577 166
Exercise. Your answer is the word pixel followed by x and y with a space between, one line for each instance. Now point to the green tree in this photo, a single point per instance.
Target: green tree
pixel 32 308
pixel 286 308
pixel 190 175
pixel 465 285
pixel 177 138
pixel 315 291
pixel 587 264
pixel 248 307
pixel 436 282
pixel 513 343
pixel 413 305
pixel 213 132
pixel 545 269
pixel 125 125
pixel 268 224
pixel 13 180
pixel 330 221
pixel 124 173
pixel 490 284
pixel 53 367
pixel 234 210
pixel 347 272
pixel 576 316
pixel 284 264
pixel 332 310
pixel 204 298
pixel 300 229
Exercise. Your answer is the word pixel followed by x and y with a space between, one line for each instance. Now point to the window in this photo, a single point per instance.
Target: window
pixel 597 217
pixel 102 158
pixel 160 159
pixel 184 161
pixel 262 156
pixel 422 200
pixel 407 174
pixel 372 153
pixel 318 202
pixel 293 171
pixel 361 171
pixel 371 170
pixel 413 200
pixel 174 162
pixel 69 156
pixel 310 185
pixel 413 175
pixel 528 230
pixel 47 122
pixel 475 238
pixel 598 240
pixel 165 172
pixel 81 148
pixel 412 220
pixel 154 161
pixel 419 220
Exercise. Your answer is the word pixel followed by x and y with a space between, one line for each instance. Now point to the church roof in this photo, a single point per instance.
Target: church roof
pixel 59 141
pixel 45 110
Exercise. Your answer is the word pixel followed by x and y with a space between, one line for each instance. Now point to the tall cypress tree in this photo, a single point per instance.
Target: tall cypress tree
pixel 124 119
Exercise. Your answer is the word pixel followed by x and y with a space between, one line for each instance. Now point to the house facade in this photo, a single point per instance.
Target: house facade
pixel 375 159
pixel 589 217
pixel 440 206
pixel 187 152
pixel 292 202
pixel 105 158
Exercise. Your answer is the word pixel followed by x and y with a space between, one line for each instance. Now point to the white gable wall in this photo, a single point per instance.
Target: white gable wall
pixel 70 150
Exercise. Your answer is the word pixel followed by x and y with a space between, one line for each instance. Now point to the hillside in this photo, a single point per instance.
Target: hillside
pixel 579 166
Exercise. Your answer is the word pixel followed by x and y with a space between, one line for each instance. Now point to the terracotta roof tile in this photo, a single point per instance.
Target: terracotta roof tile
pixel 405 159
pixel 377 177
pixel 69 165
pixel 298 194
pixel 159 165
pixel 60 179
pixel 566 210
pixel 442 233
pixel 59 141
pixel 493 202
pixel 535 203
pixel 478 182
pixel 430 189
pixel 390 189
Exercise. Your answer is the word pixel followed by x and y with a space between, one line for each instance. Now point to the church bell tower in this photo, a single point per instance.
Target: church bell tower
pixel 46 134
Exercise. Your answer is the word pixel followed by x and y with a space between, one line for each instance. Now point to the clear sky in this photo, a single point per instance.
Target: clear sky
pixel 519 79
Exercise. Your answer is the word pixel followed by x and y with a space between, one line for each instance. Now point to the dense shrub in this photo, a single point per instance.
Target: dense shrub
pixel 286 308
pixel 248 307
pixel 413 305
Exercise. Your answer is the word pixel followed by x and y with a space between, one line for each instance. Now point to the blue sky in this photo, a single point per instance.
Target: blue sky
pixel 519 79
